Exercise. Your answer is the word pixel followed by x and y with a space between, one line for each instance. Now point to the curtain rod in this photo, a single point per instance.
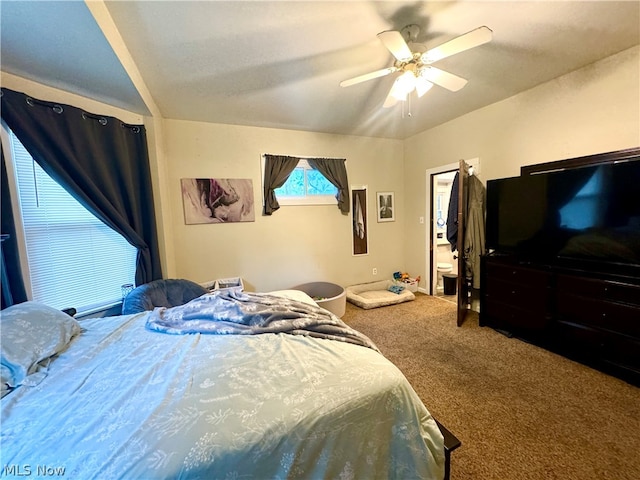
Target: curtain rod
pixel 302 157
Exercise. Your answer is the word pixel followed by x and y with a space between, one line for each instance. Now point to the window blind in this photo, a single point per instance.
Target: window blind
pixel 75 260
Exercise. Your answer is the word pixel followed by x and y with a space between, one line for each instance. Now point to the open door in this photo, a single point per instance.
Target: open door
pixel 462 284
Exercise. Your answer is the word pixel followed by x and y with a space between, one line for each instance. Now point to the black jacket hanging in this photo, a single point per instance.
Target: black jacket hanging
pixel 452 216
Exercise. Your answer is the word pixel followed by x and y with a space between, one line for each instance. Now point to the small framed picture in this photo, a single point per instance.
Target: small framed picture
pixel 386 207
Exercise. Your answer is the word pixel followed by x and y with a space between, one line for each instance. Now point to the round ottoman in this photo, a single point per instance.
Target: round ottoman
pixel 327 295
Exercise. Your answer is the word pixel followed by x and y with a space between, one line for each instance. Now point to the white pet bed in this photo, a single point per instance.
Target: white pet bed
pixel 377 294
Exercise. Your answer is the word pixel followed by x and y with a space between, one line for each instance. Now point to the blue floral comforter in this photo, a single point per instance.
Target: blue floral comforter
pixel 123 402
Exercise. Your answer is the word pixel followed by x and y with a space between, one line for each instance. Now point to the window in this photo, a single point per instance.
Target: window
pixel 587 207
pixel 306 186
pixel 74 259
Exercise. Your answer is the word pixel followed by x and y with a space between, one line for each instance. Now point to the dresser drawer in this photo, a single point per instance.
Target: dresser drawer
pixel 508 316
pixel 534 298
pixel 516 274
pixel 595 288
pixel 615 349
pixel 597 312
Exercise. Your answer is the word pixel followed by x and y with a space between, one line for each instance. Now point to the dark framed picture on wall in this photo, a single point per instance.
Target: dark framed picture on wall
pixel 385 204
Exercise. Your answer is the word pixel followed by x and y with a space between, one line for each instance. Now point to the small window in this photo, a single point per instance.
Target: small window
pixel 74 259
pixel 306 186
pixel 587 207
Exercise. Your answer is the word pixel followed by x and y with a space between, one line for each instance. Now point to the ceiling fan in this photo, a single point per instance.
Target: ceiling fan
pixel 415 62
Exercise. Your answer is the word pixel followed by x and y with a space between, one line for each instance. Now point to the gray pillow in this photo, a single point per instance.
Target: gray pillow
pixel 30 333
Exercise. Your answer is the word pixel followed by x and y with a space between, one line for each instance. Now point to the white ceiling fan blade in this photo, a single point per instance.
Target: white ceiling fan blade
pixel 459 44
pixel 368 76
pixel 394 42
pixel 444 79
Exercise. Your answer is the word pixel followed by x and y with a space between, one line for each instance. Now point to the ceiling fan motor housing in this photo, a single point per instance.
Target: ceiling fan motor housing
pixel 410 33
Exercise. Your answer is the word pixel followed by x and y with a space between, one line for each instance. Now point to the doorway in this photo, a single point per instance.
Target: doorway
pixel 444 259
pixel 438 249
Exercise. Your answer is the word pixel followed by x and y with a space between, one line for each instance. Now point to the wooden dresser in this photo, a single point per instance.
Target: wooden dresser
pixel 586 314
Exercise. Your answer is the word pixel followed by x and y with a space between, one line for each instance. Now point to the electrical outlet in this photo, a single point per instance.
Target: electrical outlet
pixel 375 271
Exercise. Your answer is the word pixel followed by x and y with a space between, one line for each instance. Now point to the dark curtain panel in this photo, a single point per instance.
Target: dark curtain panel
pixel 336 172
pixel 277 169
pixel 13 290
pixel 100 160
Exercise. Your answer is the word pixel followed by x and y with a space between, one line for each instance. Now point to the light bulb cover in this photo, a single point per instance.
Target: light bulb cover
pixel 422 86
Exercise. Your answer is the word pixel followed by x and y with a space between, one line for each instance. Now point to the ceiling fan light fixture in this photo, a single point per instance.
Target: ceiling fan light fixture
pixel 405 83
pixel 399 95
pixel 422 86
pixel 413 62
pixel 430 57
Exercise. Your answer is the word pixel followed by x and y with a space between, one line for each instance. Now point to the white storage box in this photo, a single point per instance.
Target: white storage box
pixel 229 283
pixel 410 284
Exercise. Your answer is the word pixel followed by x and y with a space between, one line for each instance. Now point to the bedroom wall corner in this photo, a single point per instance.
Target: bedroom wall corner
pixel 164 220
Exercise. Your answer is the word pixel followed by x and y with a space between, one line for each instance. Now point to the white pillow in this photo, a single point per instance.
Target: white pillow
pixel 30 333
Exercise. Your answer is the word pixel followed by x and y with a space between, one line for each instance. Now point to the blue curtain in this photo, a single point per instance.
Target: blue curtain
pixel 100 160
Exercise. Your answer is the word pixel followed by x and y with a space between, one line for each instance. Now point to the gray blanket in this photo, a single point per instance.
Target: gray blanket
pixel 243 313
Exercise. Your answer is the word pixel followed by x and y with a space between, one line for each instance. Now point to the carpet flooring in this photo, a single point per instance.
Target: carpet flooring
pixel 520 411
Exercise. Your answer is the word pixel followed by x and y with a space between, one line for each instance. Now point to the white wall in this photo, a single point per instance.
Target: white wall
pixel 297 244
pixel 592 110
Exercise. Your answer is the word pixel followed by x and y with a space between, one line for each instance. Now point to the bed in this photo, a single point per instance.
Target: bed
pixel 278 388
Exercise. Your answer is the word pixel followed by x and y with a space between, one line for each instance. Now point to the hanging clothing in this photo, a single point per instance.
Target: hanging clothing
pixel 452 215
pixel 474 238
pixel 359 219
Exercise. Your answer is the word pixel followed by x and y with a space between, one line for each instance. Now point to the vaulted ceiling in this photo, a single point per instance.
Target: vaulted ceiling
pixel 279 63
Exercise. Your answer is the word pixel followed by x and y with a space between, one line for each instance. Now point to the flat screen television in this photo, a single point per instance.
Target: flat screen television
pixel 588 214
